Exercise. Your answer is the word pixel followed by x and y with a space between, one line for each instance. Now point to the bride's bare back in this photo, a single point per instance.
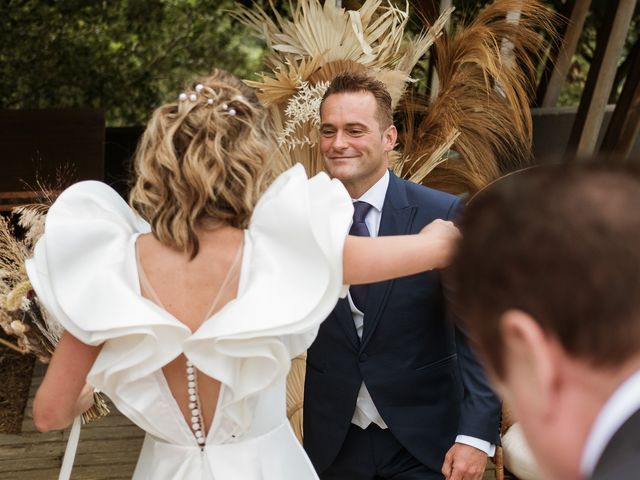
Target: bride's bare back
pixel 192 291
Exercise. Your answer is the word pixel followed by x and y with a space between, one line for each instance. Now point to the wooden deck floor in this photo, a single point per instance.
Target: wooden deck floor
pixel 108 449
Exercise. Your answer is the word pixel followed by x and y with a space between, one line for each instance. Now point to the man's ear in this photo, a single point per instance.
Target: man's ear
pixel 531 362
pixel 390 136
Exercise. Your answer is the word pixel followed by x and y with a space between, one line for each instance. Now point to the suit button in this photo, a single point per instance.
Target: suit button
pixel 363 357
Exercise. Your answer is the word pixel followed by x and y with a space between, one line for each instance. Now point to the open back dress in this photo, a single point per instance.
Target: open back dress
pixel 85 273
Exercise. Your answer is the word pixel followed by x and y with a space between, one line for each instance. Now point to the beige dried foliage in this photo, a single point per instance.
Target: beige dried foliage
pixel 295 394
pixel 426 165
pixel 302 116
pixel 486 71
pixel 32 218
pixel 12 255
pixel 15 298
pixel 22 317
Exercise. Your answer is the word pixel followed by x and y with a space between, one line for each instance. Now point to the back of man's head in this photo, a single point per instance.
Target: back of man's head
pixel 561 244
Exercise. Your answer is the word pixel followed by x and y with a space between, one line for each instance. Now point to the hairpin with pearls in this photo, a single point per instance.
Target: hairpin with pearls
pixel 193 97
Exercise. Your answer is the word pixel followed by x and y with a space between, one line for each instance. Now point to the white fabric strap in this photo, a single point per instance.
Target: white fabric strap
pixel 70 452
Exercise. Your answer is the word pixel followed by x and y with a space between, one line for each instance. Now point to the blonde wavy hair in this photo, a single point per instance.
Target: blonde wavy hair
pixel 207 156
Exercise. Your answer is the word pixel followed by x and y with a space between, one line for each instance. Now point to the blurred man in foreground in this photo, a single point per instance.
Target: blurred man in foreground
pixel 548 274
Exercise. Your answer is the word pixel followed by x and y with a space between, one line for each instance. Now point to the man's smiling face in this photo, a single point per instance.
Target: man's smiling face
pixel 351 139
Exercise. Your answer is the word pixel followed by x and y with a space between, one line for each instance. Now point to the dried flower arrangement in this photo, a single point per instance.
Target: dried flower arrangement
pixel 22 316
pixel 320 41
pixel 477 127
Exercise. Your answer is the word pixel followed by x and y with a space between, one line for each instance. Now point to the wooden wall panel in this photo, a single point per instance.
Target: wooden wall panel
pixel 39 144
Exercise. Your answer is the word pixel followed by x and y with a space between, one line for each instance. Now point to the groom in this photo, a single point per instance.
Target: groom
pixel 392 390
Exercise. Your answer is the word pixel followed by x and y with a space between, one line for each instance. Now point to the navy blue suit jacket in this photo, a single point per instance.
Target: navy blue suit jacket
pixel 424 380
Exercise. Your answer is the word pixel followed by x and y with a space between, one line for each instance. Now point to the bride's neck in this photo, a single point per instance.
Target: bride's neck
pixel 209 224
pixel 211 227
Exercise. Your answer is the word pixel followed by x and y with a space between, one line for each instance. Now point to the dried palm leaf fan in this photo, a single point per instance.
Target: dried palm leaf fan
pixel 320 41
pixel 295 394
pixel 481 114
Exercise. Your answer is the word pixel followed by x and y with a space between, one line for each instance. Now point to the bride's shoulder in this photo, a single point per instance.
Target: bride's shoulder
pixel 92 190
pixel 294 196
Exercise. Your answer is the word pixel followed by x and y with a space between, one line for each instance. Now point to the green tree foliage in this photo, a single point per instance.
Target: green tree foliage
pixel 591 35
pixel 127 56
pixel 122 56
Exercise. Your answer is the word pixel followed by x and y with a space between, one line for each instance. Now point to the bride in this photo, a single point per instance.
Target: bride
pixel 186 307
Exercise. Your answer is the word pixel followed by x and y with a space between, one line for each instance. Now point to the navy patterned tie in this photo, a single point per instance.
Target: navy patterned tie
pixel 359 228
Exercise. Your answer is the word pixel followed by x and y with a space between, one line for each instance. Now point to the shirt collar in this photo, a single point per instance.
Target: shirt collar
pixel 375 195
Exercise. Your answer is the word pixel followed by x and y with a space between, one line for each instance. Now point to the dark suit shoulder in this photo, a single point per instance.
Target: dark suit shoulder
pixel 440 204
pixel 420 191
pixel 621 457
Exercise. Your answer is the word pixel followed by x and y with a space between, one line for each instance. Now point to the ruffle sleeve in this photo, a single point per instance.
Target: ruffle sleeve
pixel 296 237
pixel 84 273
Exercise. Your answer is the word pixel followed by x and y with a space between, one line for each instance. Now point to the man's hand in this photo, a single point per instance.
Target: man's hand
pixel 464 462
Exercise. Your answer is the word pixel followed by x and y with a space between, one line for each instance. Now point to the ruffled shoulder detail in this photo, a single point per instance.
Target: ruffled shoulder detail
pixel 294 280
pixel 84 273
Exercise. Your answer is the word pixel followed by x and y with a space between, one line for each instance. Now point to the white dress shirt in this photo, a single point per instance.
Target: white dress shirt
pixel 366 412
pixel 621 405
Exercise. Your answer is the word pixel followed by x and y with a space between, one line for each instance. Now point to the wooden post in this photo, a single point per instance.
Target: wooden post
pixel 435 82
pixel 41 146
pixel 624 127
pixel 584 135
pixel 506 46
pixel 570 39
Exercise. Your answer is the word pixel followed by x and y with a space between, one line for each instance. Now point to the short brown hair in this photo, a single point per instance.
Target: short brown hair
pixel 563 245
pixel 206 158
pixel 351 82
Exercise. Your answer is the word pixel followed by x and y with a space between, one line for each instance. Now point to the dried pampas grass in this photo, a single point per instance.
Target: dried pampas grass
pixel 21 314
pixel 487 73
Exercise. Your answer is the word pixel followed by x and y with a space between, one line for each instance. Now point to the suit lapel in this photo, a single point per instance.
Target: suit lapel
pixel 397 216
pixel 344 316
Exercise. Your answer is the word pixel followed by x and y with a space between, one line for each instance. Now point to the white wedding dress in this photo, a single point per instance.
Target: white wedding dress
pixel 85 273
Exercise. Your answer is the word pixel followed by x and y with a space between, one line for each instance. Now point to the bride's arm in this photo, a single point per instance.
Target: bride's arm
pixel 64 394
pixel 368 260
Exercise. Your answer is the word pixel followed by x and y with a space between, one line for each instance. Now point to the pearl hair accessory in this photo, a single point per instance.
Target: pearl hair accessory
pixel 230 111
pixel 200 90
